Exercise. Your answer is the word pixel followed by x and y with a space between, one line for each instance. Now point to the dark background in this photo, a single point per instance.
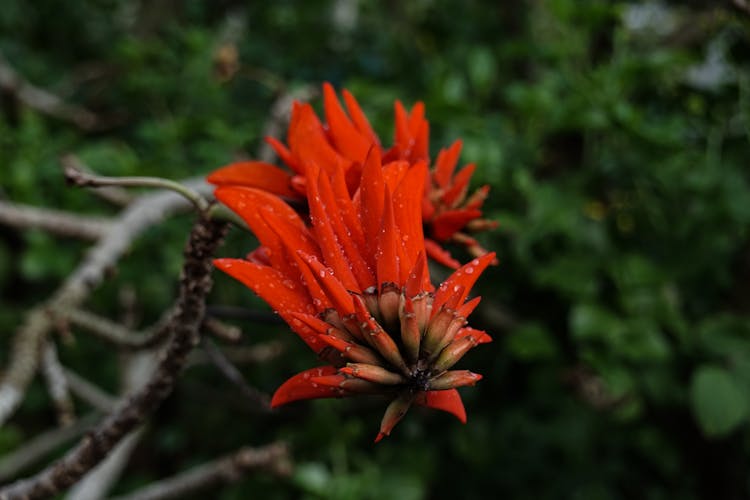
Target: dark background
pixel 615 138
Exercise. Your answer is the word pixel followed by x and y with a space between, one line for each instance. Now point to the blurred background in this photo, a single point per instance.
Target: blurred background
pixel 615 138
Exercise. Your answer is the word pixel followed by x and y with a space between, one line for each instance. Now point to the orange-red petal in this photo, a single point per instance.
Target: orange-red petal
pixel 464 276
pixel 308 141
pixel 301 386
pixel 334 256
pixel 394 413
pixel 447 401
pixel 359 118
pixel 257 174
pixel 388 252
pixel 445 164
pixel 347 139
pixel 448 223
pixel 440 254
pixel 457 191
pixel 407 208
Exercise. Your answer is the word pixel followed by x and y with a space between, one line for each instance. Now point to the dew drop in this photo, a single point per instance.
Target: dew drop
pixel 469 270
pixel 288 283
pixel 322 273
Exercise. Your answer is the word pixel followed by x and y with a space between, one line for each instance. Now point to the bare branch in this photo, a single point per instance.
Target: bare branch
pixel 42 445
pixel 99 480
pixel 141 214
pixel 273 457
pixel 40 100
pixel 53 221
pixel 57 384
pixel 195 284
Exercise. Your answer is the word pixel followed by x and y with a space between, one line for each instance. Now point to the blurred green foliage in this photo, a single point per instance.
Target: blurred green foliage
pixel 615 138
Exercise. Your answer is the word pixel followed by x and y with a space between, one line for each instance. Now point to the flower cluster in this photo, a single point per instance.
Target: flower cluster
pixel 350 275
pixel 449 212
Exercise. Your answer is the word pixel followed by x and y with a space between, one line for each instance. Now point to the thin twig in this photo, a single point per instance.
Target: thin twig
pixel 43 101
pixel 260 400
pixel 41 445
pixel 244 313
pixel 224 331
pixel 89 392
pixel 259 353
pixel 273 457
pixel 53 221
pixel 57 384
pixel 80 178
pixel 112 332
pixel 115 195
pixel 195 284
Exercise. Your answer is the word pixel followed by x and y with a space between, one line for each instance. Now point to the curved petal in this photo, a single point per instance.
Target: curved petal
pixel 371 194
pixel 249 203
pixel 286 156
pixel 407 206
pixel 448 223
pixel 301 386
pixel 257 174
pixel 447 401
pixel 457 192
pixel 308 141
pixel 388 246
pixel 445 164
pixel 464 276
pixel 440 254
pixel 284 295
pixel 321 203
pixel 359 118
pixel 281 293
pixel 347 139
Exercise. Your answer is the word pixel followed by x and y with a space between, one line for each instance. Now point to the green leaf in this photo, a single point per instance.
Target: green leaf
pixel 719 404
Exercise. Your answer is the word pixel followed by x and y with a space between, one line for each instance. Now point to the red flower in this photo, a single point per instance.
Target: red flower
pixel 343 142
pixel 354 285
